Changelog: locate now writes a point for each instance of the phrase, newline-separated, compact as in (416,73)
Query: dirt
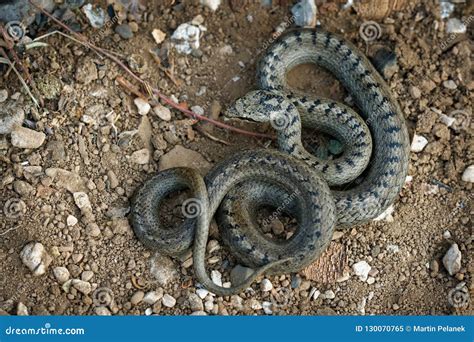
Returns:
(75,82)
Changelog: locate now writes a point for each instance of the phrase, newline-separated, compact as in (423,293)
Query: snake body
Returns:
(238,187)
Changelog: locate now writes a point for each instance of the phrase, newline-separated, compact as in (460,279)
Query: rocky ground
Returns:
(67,174)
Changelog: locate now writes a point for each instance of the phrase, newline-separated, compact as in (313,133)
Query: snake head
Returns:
(257,105)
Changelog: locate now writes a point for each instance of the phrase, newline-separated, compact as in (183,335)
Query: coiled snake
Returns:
(237,188)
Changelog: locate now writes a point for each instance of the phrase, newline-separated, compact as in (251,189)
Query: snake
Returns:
(348,190)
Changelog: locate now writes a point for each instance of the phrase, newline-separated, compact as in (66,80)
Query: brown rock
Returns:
(329,266)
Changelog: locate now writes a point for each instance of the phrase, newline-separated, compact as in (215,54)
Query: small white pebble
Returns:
(266,285)
(468,174)
(142,105)
(329,294)
(202,293)
(168,301)
(370,280)
(71,221)
(216,277)
(267,308)
(418,144)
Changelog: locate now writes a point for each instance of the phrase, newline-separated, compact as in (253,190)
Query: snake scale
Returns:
(236,189)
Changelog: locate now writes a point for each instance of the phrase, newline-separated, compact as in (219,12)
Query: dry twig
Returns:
(155,91)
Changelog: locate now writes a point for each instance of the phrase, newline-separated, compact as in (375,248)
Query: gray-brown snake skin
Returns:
(237,187)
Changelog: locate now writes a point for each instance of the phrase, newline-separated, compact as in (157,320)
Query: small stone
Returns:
(216,277)
(71,221)
(134,26)
(450,84)
(295,281)
(415,92)
(305,13)
(195,302)
(209,305)
(239,274)
(163,269)
(82,286)
(212,4)
(199,313)
(212,246)
(434,267)
(158,35)
(456,26)
(142,105)
(21,309)
(266,285)
(3,95)
(93,230)
(315,294)
(370,280)
(186,38)
(137,297)
(153,296)
(124,31)
(140,157)
(35,257)
(254,304)
(198,110)
(468,174)
(198,20)
(162,112)
(82,200)
(361,269)
(22,188)
(23,137)
(96,16)
(452,259)
(267,308)
(148,311)
(202,293)
(102,311)
(447,234)
(329,294)
(418,144)
(168,301)
(87,275)
(113,180)
(61,274)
